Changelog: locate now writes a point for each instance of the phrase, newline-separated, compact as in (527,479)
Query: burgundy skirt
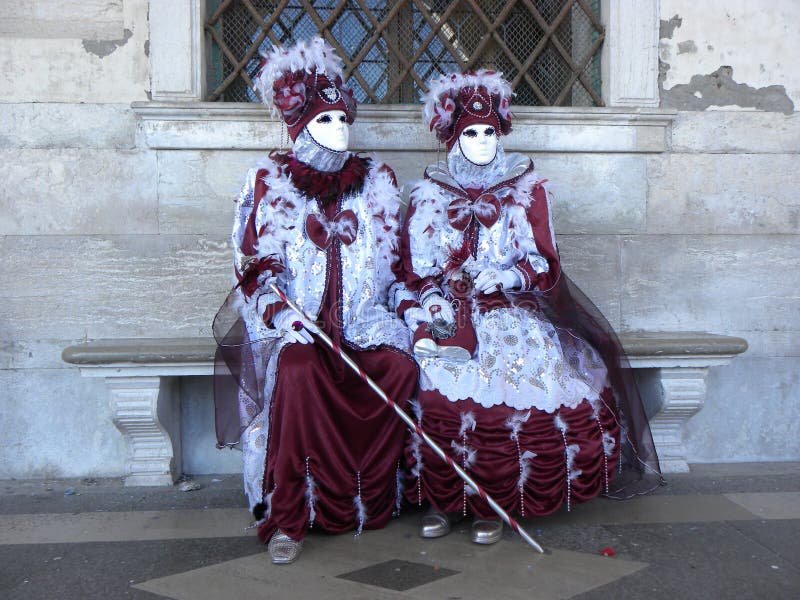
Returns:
(530,466)
(335,449)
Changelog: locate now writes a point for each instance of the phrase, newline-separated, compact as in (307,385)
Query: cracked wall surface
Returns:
(90,51)
(730,54)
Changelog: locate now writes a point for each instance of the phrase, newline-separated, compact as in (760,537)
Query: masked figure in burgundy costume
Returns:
(520,374)
(320,448)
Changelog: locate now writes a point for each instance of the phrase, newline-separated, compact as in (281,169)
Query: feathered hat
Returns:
(302,81)
(454,102)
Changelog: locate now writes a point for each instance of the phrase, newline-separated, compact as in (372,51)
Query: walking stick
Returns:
(407,420)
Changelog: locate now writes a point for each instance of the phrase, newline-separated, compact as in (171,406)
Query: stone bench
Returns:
(141,376)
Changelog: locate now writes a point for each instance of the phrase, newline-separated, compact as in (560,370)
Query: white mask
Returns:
(330,130)
(479,143)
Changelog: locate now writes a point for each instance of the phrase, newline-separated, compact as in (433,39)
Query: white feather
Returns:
(467,423)
(609,443)
(361,513)
(525,467)
(515,422)
(314,55)
(560,423)
(449,85)
(416,440)
(467,453)
(416,408)
(311,497)
(572,451)
(399,486)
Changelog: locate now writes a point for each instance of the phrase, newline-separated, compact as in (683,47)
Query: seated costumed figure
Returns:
(320,448)
(522,378)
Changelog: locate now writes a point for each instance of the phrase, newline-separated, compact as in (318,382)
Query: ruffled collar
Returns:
(327,186)
(505,170)
(307,150)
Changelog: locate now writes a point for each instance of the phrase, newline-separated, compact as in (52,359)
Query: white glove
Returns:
(493,280)
(286,322)
(437,308)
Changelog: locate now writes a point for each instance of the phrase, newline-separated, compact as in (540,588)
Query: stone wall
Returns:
(114,223)
(724,211)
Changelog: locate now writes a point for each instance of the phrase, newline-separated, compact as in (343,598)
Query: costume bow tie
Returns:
(486,209)
(322,232)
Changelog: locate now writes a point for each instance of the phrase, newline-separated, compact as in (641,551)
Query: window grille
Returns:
(548,49)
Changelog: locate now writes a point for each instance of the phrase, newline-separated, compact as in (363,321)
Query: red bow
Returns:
(486,209)
(322,232)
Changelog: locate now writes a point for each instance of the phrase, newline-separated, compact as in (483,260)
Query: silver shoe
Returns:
(283,549)
(486,532)
(434,524)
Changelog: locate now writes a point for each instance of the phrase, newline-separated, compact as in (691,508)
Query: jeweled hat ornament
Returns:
(303,81)
(454,102)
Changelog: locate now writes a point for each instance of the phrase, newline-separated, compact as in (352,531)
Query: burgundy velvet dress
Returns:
(545,413)
(322,450)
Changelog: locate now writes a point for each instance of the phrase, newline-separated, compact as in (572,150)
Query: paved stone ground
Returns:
(723,531)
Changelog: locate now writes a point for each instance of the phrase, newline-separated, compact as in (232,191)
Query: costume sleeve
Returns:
(418,244)
(540,270)
(254,270)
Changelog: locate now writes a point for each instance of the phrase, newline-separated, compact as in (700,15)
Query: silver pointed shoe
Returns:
(283,549)
(434,524)
(486,532)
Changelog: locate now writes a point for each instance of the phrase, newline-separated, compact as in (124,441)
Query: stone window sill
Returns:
(235,126)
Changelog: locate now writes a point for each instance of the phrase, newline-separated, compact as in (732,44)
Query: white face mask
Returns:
(479,143)
(330,130)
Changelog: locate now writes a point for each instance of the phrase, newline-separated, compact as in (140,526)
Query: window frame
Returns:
(177,117)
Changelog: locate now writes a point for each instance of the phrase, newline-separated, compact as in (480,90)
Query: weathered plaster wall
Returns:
(730,53)
(724,211)
(97,55)
(77,211)
(102,236)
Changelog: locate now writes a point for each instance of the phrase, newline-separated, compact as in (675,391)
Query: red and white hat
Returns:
(454,102)
(303,81)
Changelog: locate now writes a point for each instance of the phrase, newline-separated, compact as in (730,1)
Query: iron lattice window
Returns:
(548,49)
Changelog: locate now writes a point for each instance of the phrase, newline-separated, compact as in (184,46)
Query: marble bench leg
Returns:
(683,392)
(146,410)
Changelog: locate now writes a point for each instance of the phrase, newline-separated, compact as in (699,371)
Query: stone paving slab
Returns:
(700,560)
(780,536)
(782,505)
(478,572)
(718,532)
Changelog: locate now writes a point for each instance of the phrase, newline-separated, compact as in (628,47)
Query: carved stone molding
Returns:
(684,392)
(630,52)
(147,414)
(177,69)
(248,126)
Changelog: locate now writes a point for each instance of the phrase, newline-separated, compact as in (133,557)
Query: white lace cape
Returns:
(522,361)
